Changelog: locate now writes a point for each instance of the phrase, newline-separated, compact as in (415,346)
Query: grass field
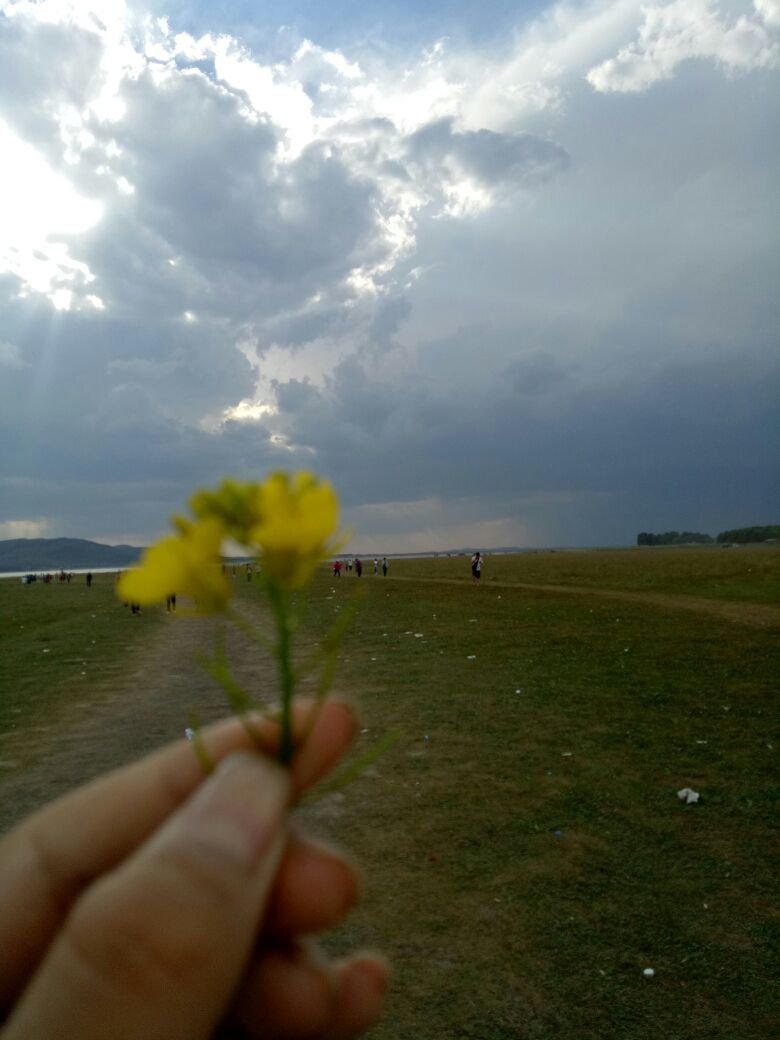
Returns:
(745,573)
(526,854)
(60,638)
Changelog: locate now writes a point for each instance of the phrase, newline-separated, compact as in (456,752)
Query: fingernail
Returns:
(239,810)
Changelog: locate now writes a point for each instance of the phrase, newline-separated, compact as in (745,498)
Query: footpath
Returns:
(112,724)
(759,615)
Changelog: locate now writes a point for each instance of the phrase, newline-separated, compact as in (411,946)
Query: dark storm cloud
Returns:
(517,159)
(213,224)
(42,67)
(590,352)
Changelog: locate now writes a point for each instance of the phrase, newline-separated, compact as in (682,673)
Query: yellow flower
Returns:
(298,517)
(234,503)
(187,564)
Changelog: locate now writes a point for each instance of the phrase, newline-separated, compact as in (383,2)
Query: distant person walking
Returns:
(170,603)
(376,565)
(337,569)
(384,566)
(89,579)
(476,566)
(359,566)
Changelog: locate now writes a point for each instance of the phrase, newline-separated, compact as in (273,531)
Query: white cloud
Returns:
(427,525)
(474,168)
(24,528)
(37,205)
(679,31)
(769,10)
(10,355)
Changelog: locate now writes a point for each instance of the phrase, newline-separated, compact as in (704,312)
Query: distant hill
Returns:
(53,554)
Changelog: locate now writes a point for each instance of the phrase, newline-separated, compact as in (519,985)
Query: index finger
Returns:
(59,850)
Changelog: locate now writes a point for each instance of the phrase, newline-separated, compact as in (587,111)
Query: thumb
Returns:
(157,948)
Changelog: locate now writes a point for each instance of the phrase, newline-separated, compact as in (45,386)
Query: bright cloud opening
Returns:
(36,206)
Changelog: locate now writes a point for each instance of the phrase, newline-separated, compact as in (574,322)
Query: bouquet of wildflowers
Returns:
(289,523)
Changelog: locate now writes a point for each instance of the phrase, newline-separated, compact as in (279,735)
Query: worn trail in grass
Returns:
(129,707)
(742,612)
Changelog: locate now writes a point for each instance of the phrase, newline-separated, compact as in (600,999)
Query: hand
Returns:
(157,903)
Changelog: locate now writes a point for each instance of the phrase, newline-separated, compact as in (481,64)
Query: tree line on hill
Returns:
(741,535)
(738,536)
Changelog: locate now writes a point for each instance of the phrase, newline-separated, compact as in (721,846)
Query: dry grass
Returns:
(531,858)
(749,573)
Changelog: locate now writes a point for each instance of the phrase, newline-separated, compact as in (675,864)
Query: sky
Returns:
(506,274)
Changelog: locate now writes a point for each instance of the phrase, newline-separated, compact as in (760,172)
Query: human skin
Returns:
(158,902)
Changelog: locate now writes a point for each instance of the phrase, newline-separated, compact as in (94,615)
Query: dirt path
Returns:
(163,684)
(116,723)
(758,615)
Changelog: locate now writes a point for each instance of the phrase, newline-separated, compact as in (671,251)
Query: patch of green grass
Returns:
(749,573)
(57,639)
(530,858)
(525,852)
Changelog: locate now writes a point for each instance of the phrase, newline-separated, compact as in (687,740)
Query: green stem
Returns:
(281,610)
(248,629)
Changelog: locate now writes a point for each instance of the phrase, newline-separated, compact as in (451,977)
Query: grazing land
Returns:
(526,854)
(59,643)
(749,574)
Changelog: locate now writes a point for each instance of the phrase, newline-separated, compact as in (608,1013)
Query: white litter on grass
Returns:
(648,973)
(518,691)
(418,635)
(46,651)
(688,795)
(566,754)
(701,741)
(471,657)
(472,621)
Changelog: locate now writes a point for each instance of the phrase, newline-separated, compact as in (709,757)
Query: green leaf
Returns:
(354,769)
